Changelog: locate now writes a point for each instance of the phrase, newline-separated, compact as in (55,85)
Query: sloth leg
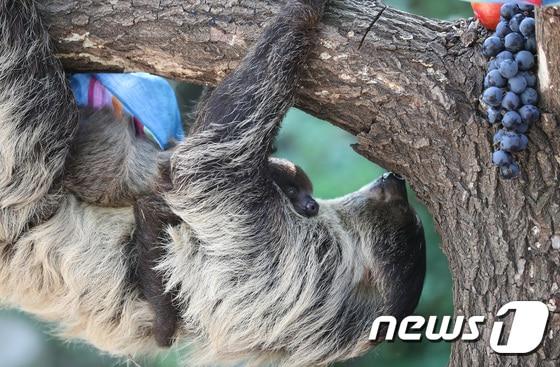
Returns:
(152,216)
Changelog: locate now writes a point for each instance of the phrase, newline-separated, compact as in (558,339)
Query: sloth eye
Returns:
(291,191)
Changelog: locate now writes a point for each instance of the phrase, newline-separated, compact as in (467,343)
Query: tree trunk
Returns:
(408,88)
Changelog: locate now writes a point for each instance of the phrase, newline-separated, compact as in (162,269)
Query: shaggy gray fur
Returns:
(108,165)
(255,281)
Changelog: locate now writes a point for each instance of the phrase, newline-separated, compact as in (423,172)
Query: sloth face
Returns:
(380,207)
(388,241)
(385,196)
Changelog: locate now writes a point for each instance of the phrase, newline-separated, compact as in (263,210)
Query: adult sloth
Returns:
(254,280)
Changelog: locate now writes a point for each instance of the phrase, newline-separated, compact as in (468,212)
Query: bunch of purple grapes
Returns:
(510,84)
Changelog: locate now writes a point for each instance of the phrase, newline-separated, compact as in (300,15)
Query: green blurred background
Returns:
(324,153)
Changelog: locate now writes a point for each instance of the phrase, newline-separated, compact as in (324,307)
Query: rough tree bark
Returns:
(408,88)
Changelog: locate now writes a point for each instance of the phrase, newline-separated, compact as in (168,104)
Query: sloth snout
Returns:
(312,207)
(393,176)
(389,187)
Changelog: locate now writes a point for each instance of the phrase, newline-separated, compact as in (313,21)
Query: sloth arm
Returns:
(38,119)
(220,176)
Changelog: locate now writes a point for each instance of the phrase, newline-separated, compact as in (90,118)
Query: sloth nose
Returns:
(389,187)
(392,176)
(312,207)
(394,185)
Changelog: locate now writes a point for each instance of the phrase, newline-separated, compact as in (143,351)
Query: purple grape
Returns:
(510,171)
(498,136)
(508,68)
(526,8)
(513,142)
(527,27)
(529,114)
(530,77)
(517,84)
(514,42)
(525,60)
(510,101)
(494,79)
(510,119)
(501,158)
(493,96)
(531,44)
(515,22)
(508,10)
(530,96)
(492,65)
(502,29)
(504,55)
(521,128)
(494,115)
(492,46)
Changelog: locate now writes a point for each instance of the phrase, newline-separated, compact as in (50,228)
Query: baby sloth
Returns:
(294,182)
(112,167)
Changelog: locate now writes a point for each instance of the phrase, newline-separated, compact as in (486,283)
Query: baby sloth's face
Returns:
(296,185)
(300,197)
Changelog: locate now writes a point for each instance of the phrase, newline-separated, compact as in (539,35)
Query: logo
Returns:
(524,336)
(527,329)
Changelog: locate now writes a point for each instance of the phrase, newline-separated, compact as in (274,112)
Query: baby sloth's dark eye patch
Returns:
(292,191)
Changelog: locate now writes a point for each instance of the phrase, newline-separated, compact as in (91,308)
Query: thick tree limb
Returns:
(410,94)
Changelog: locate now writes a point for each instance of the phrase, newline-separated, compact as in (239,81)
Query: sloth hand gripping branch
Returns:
(254,280)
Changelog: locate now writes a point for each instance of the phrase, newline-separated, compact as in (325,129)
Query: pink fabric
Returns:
(98,95)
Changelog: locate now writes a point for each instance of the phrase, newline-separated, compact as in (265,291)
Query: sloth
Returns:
(253,281)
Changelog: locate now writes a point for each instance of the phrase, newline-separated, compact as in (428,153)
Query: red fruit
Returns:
(487,13)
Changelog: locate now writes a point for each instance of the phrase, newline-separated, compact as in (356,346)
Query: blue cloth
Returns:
(148,98)
(80,87)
